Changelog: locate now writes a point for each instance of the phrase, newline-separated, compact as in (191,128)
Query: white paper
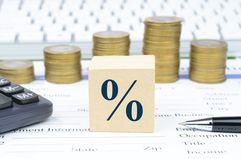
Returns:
(67,130)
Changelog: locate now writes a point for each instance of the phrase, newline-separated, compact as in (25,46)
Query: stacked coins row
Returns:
(208,61)
(162,39)
(111,43)
(18,71)
(62,64)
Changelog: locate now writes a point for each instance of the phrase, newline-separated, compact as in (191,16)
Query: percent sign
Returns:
(104,91)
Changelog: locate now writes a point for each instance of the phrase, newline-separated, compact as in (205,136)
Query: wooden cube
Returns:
(121,93)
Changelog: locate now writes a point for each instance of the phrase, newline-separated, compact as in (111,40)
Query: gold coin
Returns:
(61,49)
(111,35)
(18,71)
(207,78)
(15,64)
(163,19)
(62,63)
(162,39)
(208,61)
(207,43)
(111,43)
(166,79)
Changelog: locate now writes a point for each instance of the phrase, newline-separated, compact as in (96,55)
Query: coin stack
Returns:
(111,43)
(162,39)
(62,64)
(18,71)
(208,61)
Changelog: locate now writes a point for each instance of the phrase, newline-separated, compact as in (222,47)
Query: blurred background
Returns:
(27,26)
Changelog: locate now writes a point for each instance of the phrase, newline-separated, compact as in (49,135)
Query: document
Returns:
(67,130)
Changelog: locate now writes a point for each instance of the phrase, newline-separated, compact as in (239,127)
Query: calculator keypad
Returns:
(5,101)
(4,82)
(12,89)
(25,98)
(10,93)
(20,107)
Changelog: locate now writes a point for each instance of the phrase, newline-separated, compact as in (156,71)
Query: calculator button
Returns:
(25,98)
(4,82)
(5,101)
(10,90)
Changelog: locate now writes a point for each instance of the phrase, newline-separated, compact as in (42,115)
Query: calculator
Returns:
(20,107)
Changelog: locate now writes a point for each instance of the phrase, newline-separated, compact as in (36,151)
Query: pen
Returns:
(216,124)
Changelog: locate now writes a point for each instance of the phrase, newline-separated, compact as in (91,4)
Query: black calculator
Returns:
(20,107)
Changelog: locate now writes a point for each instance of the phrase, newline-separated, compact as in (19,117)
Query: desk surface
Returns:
(67,129)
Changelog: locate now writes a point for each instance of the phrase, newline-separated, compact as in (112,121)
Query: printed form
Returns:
(67,130)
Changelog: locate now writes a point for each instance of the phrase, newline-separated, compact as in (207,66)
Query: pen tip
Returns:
(183,123)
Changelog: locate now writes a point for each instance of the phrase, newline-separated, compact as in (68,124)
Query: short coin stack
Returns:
(111,43)
(162,39)
(62,64)
(18,71)
(208,61)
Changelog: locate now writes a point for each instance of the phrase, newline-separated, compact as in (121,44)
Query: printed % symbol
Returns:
(104,91)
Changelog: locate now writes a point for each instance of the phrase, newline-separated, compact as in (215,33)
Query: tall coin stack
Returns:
(18,71)
(62,64)
(208,61)
(162,39)
(111,43)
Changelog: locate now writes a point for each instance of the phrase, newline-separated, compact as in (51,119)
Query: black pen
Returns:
(216,124)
